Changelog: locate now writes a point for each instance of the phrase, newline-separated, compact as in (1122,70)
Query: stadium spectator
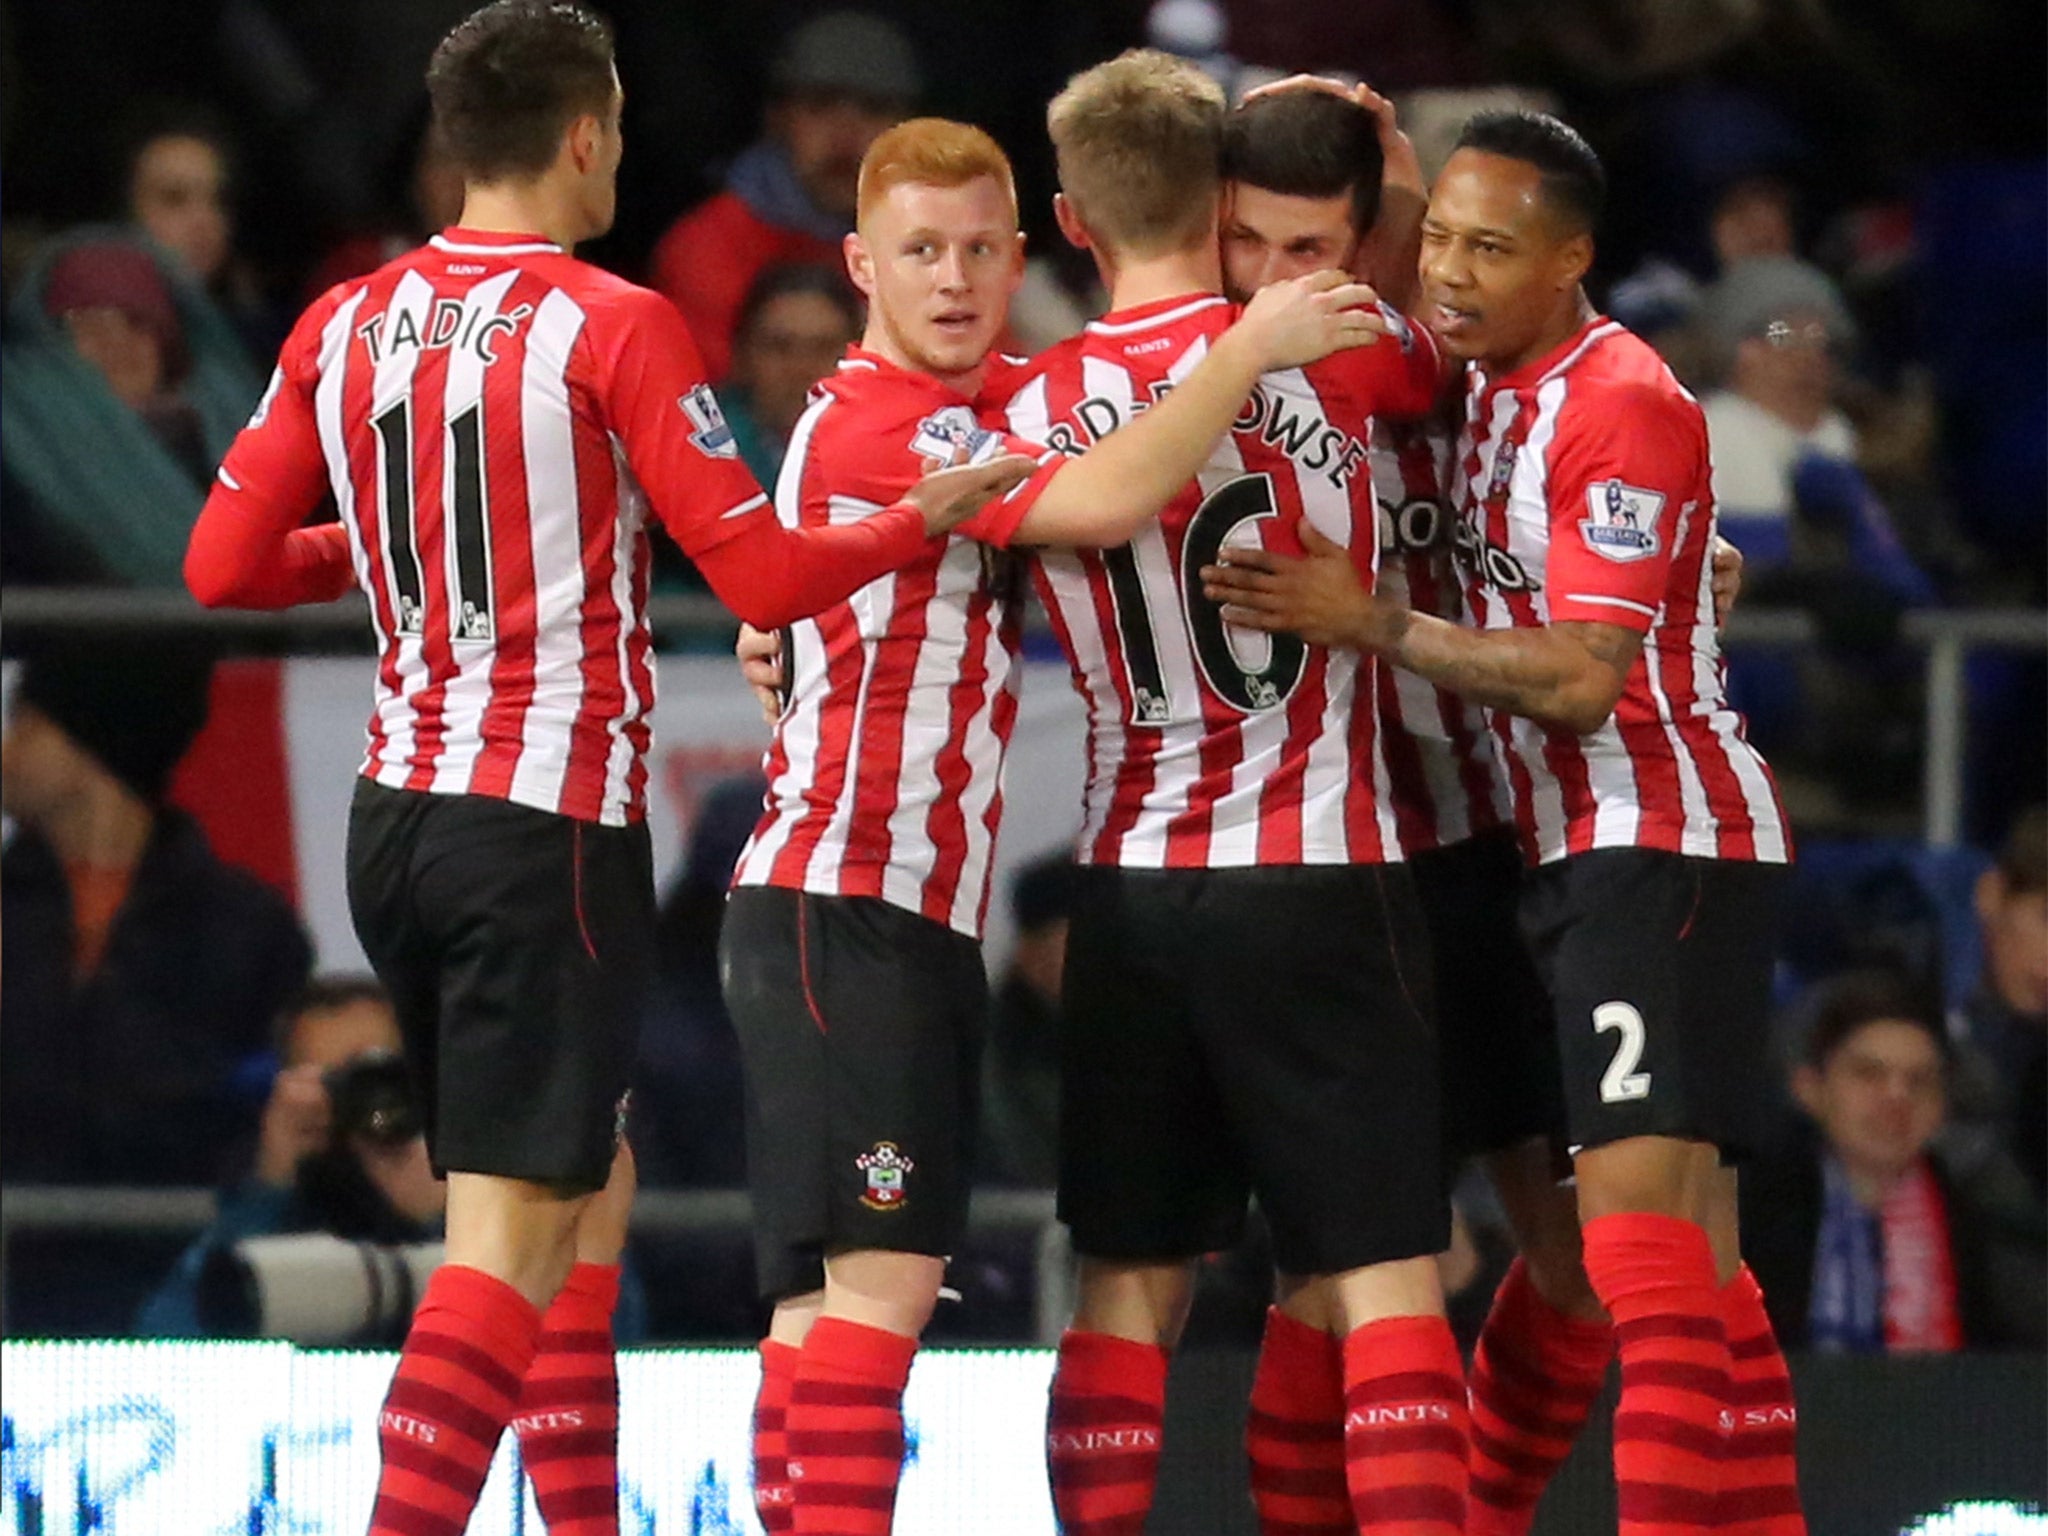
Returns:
(796,320)
(842,80)
(338,1149)
(2000,1100)
(1020,1081)
(1865,1237)
(1840,719)
(141,972)
(431,201)
(124,385)
(1781,445)
(177,183)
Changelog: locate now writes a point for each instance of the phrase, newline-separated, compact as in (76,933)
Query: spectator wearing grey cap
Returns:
(1838,718)
(1781,445)
(842,80)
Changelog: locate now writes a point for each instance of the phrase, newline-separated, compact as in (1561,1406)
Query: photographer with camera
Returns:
(330,1238)
(339,1159)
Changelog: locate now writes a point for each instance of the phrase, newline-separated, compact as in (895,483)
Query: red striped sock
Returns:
(1760,1483)
(1294,1435)
(845,1428)
(774,1501)
(1656,1276)
(568,1414)
(1103,1433)
(470,1344)
(1407,1431)
(1535,1375)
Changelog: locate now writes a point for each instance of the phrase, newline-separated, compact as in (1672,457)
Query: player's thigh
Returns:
(1627,940)
(383,834)
(544,930)
(1497,1043)
(782,1051)
(1313,992)
(860,1027)
(1150,1169)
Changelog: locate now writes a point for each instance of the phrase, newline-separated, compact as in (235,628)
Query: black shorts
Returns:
(860,1028)
(1238,1032)
(1502,1083)
(1659,971)
(518,947)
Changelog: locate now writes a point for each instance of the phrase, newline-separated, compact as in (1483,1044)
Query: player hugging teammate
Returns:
(1335,642)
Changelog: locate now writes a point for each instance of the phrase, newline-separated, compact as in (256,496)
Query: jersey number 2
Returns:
(1621,1081)
(469,582)
(1246,499)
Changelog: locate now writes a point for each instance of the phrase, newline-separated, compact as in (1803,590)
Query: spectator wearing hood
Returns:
(124,387)
(844,79)
(142,973)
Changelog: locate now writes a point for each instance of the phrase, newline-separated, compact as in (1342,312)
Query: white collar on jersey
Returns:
(1147,322)
(525,248)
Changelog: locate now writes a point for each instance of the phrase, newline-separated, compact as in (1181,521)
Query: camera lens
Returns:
(372,1098)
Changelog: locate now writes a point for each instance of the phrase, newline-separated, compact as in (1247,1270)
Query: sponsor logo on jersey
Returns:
(1489,562)
(953,435)
(887,1169)
(712,436)
(1622,520)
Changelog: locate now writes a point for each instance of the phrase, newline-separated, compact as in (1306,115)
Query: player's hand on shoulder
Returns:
(948,497)
(760,657)
(1303,319)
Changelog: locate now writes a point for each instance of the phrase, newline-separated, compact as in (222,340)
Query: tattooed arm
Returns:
(1566,674)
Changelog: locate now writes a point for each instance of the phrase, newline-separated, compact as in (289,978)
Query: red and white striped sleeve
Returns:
(683,455)
(1628,465)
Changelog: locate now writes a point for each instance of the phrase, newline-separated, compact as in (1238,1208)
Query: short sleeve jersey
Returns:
(885,773)
(1584,494)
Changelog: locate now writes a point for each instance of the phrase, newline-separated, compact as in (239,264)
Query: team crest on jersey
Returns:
(948,432)
(1622,524)
(886,1169)
(713,436)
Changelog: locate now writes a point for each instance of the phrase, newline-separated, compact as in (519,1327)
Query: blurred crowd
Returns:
(1828,215)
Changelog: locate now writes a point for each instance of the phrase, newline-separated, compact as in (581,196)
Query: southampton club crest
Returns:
(1622,524)
(886,1169)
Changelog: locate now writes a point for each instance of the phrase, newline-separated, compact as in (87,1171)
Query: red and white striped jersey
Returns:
(1443,774)
(1584,494)
(1210,747)
(885,774)
(488,409)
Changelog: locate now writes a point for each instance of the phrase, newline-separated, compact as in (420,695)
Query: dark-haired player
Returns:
(497,422)
(1581,484)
